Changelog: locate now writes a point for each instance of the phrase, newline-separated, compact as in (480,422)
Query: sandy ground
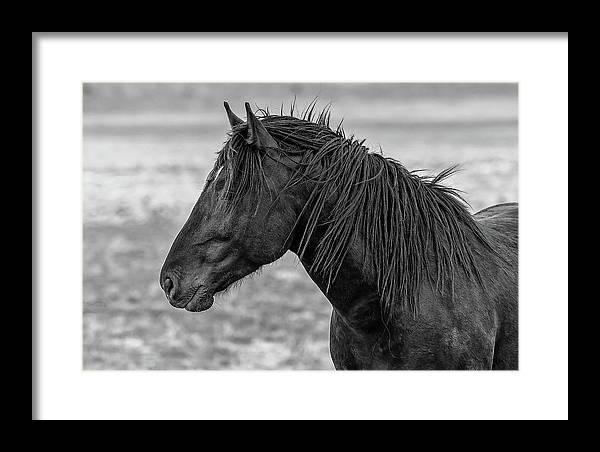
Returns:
(147,150)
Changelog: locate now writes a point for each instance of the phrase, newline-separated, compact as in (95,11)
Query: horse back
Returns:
(502,221)
(501,216)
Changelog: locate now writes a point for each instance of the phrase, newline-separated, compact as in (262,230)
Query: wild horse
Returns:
(415,280)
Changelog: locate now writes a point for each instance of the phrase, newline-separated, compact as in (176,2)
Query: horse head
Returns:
(240,222)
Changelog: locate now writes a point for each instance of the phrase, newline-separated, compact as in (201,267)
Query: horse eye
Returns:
(219,184)
(212,240)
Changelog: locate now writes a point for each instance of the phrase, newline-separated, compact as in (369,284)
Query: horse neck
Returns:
(354,289)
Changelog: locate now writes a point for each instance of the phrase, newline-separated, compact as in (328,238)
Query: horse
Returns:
(415,280)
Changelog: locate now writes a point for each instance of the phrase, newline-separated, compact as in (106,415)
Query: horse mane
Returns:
(403,217)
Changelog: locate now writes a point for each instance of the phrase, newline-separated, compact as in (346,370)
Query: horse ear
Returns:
(257,134)
(233,119)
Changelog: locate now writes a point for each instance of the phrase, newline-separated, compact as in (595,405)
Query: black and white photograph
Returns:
(300,238)
(320,226)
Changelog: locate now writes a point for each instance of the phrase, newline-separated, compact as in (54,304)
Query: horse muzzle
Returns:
(202,300)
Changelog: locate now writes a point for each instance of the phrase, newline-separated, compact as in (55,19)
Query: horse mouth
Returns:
(202,297)
(202,300)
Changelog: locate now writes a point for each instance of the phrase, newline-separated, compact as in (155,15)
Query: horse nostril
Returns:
(168,286)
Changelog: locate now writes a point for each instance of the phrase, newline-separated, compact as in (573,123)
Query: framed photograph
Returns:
(300,238)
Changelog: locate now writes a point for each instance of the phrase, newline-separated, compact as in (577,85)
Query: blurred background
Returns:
(147,150)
